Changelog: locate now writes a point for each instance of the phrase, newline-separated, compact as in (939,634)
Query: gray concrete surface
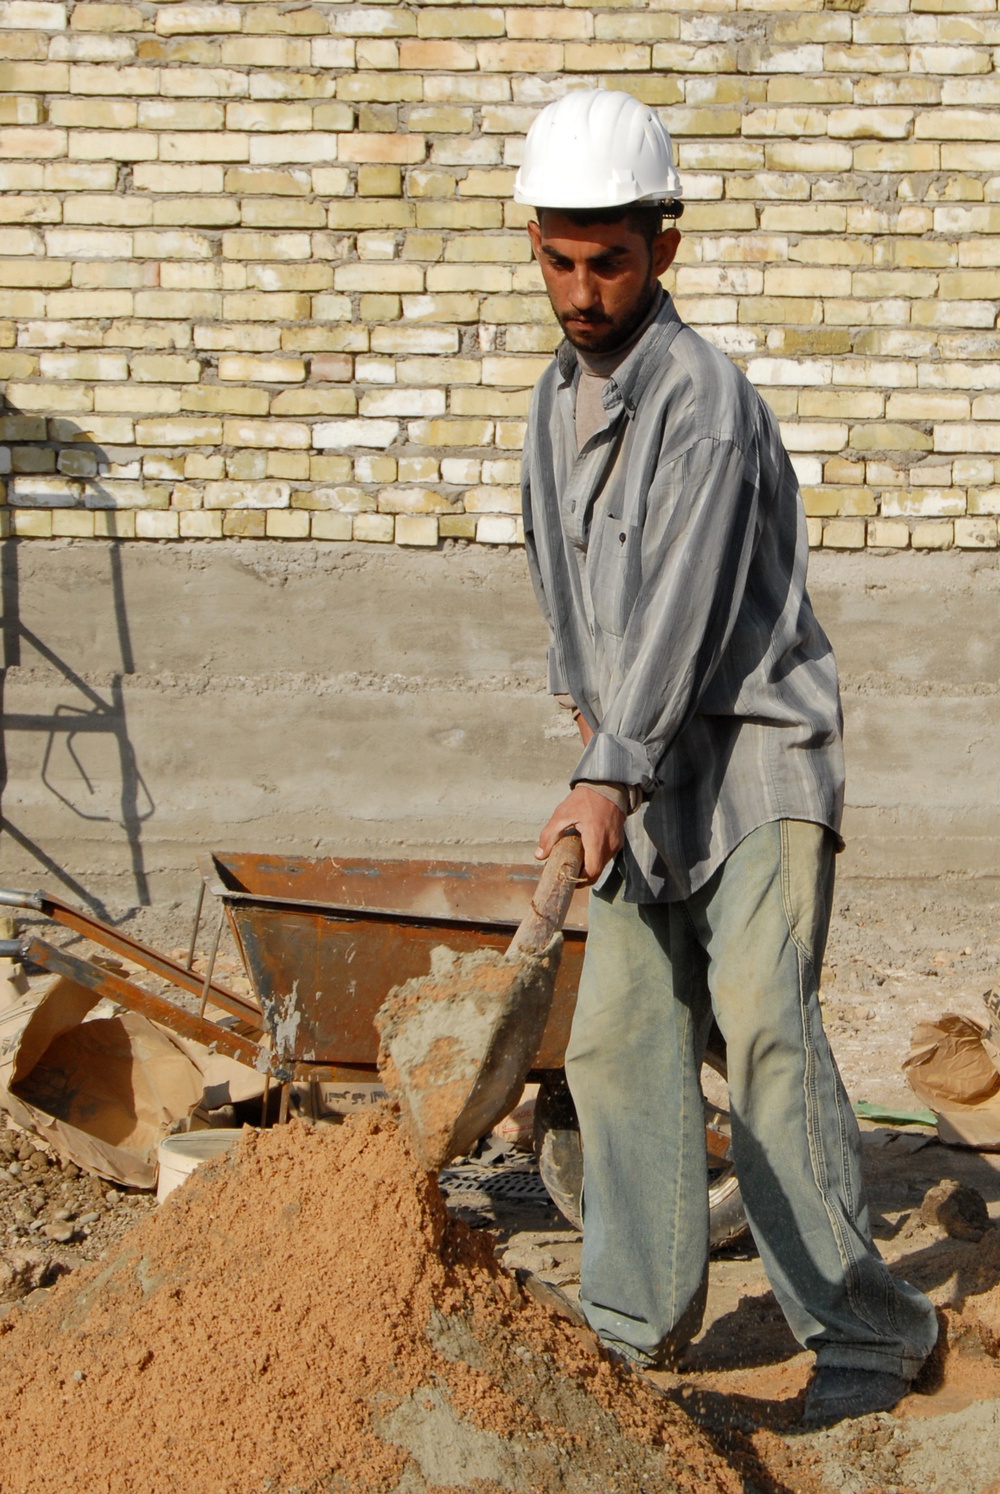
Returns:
(160,699)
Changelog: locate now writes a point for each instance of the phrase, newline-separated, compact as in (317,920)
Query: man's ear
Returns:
(535,235)
(665,247)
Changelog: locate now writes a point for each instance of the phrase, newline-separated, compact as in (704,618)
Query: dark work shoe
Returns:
(840,1394)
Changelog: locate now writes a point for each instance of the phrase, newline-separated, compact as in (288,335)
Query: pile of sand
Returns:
(305,1317)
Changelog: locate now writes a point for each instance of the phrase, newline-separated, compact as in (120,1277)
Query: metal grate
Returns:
(522,1184)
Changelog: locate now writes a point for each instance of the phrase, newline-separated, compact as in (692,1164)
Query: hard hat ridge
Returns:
(597,148)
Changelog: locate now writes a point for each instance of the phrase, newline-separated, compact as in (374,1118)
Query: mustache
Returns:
(586,318)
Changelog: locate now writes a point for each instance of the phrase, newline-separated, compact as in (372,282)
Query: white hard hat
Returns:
(597,149)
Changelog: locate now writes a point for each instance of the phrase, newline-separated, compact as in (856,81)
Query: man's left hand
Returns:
(601,825)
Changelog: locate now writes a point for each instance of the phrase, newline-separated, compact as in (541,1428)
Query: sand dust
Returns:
(306,1317)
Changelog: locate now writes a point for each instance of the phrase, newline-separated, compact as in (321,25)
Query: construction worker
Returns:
(667,545)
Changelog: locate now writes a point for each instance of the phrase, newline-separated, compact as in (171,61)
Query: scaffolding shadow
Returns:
(69,726)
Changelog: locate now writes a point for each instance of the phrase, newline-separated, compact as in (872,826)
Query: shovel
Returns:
(457,1044)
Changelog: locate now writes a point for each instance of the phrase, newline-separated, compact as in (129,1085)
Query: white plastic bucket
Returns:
(178,1156)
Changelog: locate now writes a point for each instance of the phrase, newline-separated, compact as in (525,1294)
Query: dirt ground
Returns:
(898,953)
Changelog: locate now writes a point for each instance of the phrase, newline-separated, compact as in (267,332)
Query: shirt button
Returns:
(622,538)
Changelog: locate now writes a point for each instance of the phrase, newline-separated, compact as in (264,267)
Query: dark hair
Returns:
(645,218)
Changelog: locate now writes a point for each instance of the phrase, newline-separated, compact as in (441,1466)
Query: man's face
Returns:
(600,278)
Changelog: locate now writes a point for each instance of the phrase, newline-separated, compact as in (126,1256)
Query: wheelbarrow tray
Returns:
(323,941)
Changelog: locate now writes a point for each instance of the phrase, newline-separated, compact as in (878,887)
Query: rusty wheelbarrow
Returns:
(323,941)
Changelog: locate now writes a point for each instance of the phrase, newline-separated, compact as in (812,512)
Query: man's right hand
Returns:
(601,825)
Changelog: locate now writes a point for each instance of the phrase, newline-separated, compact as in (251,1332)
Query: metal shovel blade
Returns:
(457,1044)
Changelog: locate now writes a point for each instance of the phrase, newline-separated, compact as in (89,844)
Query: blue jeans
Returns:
(747,946)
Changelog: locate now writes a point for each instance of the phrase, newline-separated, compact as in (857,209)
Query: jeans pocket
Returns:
(806,873)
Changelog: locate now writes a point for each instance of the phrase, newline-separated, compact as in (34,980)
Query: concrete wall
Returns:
(161,700)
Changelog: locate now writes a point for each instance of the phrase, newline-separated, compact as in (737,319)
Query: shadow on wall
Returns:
(86,760)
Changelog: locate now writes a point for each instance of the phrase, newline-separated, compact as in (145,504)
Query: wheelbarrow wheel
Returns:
(560,1153)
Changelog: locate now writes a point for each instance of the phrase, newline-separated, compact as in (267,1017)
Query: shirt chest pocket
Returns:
(613,572)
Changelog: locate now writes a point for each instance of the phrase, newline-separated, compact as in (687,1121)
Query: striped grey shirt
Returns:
(669,558)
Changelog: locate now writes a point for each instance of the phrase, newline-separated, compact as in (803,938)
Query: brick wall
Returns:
(261,273)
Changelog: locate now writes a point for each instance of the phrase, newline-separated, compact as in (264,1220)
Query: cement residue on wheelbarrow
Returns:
(306,1316)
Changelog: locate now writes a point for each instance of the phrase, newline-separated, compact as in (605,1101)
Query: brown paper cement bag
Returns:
(954,1066)
(103,1091)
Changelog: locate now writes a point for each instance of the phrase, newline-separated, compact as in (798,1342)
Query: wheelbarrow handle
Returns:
(552,896)
(12,899)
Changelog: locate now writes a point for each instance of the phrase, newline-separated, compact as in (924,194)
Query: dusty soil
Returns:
(306,1317)
(897,954)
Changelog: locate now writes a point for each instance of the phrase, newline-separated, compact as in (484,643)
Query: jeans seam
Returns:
(786,892)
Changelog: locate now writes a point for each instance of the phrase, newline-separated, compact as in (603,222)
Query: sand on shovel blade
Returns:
(305,1318)
(457,1044)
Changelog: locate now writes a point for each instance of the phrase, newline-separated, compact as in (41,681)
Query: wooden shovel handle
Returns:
(552,896)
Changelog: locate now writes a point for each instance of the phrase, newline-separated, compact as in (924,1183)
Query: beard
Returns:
(599,333)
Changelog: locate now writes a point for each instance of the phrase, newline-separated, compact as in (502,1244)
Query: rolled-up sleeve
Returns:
(696,542)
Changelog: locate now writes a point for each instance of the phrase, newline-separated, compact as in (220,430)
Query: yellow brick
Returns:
(201,525)
(172,20)
(243,524)
(20,111)
(827,502)
(404,500)
(492,499)
(979,533)
(267,433)
(304,21)
(451,432)
(400,149)
(441,308)
(928,406)
(909,157)
(49,397)
(378,56)
(422,529)
(203,82)
(487,184)
(269,51)
(379,181)
(439,120)
(844,534)
(932,536)
(437,56)
(482,249)
(376,529)
(788,122)
(519,57)
(262,370)
(374,469)
(419,470)
(116,18)
(157,526)
(795,280)
(86,366)
(959,285)
(957,124)
(253,306)
(34,77)
(497,529)
(28,524)
(811,217)
(287,525)
(313,402)
(461,215)
(331,526)
(587,57)
(34,272)
(888,534)
(438,372)
(32,144)
(558,25)
(479,20)
(429,183)
(841,404)
(112,114)
(219,399)
(484,278)
(112,525)
(882,124)
(167,114)
(178,432)
(457,526)
(78,524)
(133,80)
(293,465)
(179,180)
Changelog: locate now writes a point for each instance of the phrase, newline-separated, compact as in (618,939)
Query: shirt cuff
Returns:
(624,796)
(611,759)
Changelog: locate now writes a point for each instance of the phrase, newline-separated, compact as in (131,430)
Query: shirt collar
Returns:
(626,384)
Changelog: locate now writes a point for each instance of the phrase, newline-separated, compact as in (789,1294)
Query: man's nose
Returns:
(583,290)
